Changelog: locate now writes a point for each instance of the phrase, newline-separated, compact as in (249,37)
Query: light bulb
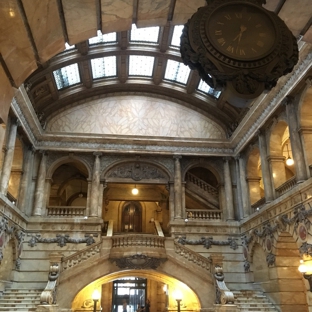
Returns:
(289,161)
(135,191)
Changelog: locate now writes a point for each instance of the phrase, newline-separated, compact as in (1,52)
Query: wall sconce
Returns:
(306,272)
(135,191)
(95,298)
(289,160)
(178,297)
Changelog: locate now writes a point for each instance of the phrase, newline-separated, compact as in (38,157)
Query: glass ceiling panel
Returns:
(68,47)
(67,76)
(148,34)
(176,37)
(104,67)
(100,38)
(208,90)
(177,71)
(141,65)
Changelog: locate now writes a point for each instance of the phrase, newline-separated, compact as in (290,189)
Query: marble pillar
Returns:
(244,187)
(170,189)
(95,188)
(222,200)
(103,185)
(177,188)
(40,187)
(265,169)
(229,212)
(2,137)
(184,214)
(295,139)
(23,199)
(8,159)
(239,190)
(88,204)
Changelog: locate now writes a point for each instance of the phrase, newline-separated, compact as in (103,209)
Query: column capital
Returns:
(97,154)
(177,157)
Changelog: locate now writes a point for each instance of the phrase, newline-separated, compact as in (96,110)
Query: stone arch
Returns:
(254,175)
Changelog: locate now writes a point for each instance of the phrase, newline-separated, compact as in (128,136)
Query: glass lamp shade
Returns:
(289,161)
(177,294)
(135,191)
(95,295)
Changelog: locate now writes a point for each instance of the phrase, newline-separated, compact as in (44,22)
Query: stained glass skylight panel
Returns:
(104,67)
(141,65)
(100,38)
(207,89)
(176,36)
(177,71)
(67,76)
(148,34)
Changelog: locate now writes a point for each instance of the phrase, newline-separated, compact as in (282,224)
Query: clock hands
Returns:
(243,28)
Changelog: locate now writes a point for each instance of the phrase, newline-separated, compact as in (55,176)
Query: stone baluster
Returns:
(266,174)
(229,212)
(95,187)
(177,188)
(8,158)
(295,139)
(39,204)
(24,194)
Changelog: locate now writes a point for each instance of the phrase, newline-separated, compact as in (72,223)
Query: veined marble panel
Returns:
(135,115)
(81,21)
(184,9)
(152,12)
(44,21)
(116,15)
(6,94)
(15,46)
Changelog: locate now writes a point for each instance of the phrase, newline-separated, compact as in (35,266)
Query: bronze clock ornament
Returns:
(238,45)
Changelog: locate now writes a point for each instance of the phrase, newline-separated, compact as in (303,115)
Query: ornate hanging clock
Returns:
(238,45)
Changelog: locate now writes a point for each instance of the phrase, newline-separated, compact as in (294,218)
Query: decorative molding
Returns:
(48,296)
(306,249)
(246,266)
(223,294)
(61,240)
(207,242)
(138,262)
(270,259)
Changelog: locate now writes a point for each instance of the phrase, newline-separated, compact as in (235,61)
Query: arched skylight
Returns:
(148,34)
(176,37)
(100,38)
(177,71)
(141,65)
(202,86)
(67,76)
(104,67)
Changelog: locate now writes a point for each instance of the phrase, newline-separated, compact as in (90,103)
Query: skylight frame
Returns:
(103,38)
(67,76)
(176,36)
(177,72)
(104,67)
(205,88)
(143,65)
(146,33)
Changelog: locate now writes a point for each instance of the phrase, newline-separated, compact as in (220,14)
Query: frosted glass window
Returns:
(104,67)
(205,88)
(67,76)
(141,65)
(177,32)
(148,34)
(177,71)
(100,38)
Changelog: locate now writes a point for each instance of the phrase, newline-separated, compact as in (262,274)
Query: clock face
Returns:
(241,31)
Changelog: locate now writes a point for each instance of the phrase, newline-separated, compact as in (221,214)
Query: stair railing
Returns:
(223,294)
(202,185)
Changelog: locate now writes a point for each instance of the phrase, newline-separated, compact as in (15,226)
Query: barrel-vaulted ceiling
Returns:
(66,51)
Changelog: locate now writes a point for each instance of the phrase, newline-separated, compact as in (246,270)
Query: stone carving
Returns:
(61,240)
(48,296)
(136,171)
(223,294)
(18,263)
(207,242)
(138,262)
(306,248)
(246,266)
(268,230)
(270,259)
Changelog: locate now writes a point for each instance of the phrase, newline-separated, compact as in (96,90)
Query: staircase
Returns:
(21,300)
(250,300)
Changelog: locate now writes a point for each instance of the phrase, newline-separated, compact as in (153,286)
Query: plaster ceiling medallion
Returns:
(238,46)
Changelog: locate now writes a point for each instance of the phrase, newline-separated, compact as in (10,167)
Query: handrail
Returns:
(202,184)
(158,228)
(200,214)
(192,256)
(129,240)
(258,203)
(66,211)
(286,186)
(80,256)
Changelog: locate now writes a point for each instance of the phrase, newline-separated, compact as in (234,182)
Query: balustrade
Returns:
(66,211)
(285,187)
(202,185)
(258,203)
(121,241)
(204,214)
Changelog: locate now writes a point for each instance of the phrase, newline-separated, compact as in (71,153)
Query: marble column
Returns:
(8,159)
(40,187)
(170,189)
(295,139)
(239,190)
(23,199)
(177,188)
(88,204)
(222,200)
(184,214)
(244,186)
(95,188)
(265,169)
(103,185)
(2,136)
(229,215)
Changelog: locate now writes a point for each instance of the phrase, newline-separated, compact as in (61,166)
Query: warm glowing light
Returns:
(95,295)
(177,294)
(165,287)
(135,191)
(302,267)
(289,161)
(11,12)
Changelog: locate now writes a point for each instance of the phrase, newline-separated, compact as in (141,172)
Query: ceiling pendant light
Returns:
(135,191)
(289,160)
(80,195)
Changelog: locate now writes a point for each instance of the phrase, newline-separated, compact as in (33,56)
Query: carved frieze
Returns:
(207,242)
(61,240)
(138,262)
